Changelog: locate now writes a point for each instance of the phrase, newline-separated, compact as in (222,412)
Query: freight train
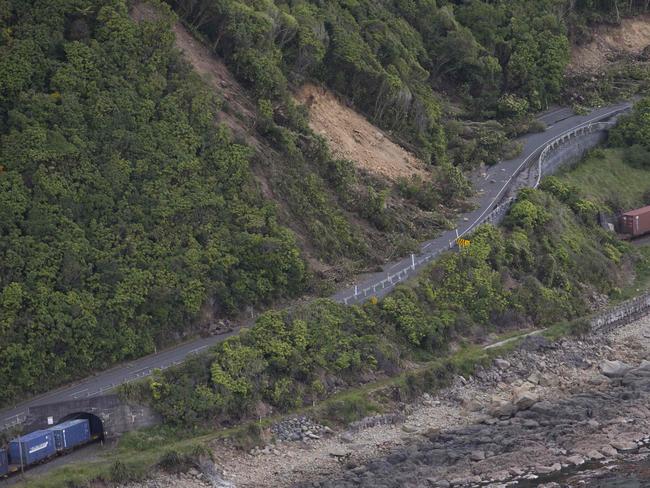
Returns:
(635,223)
(39,446)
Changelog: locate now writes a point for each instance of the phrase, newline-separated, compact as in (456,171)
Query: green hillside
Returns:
(130,219)
(123,209)
(607,178)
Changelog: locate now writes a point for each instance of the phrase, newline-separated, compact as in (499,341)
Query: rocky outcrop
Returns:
(545,407)
(614,369)
(561,406)
(299,429)
(541,439)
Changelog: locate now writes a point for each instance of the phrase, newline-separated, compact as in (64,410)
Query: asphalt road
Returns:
(490,188)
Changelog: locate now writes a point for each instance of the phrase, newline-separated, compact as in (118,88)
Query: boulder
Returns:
(502,409)
(608,451)
(471,405)
(347,437)
(477,456)
(593,454)
(644,366)
(501,363)
(624,445)
(548,469)
(534,379)
(339,453)
(576,460)
(614,369)
(523,398)
(543,408)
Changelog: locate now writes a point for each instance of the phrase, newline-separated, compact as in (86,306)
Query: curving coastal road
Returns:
(490,187)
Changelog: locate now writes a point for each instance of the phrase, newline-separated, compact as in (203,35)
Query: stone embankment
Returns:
(546,407)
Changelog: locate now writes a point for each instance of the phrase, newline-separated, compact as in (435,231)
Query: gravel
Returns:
(577,415)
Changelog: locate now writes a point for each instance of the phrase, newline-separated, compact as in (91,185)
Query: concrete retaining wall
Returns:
(570,151)
(117,415)
(622,314)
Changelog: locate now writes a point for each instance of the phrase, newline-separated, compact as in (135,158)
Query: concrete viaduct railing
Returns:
(567,148)
(555,154)
(571,147)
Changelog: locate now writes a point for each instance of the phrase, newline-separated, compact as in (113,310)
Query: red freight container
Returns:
(636,222)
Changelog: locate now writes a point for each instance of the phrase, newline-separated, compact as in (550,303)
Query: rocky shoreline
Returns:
(544,409)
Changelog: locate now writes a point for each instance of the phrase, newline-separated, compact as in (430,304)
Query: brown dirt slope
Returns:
(238,110)
(352,137)
(632,36)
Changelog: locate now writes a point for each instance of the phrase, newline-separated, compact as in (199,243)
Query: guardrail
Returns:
(564,140)
(13,421)
(494,216)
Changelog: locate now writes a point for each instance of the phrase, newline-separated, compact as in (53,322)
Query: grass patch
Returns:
(641,281)
(605,177)
(576,328)
(139,452)
(133,459)
(348,407)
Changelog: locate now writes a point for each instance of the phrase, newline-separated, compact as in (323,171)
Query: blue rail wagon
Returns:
(4,462)
(70,434)
(32,448)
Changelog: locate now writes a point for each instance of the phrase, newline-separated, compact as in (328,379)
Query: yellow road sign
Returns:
(462,242)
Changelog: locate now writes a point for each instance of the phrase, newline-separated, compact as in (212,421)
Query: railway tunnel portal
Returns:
(109,415)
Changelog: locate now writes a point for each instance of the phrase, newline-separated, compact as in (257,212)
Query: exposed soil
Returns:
(238,111)
(632,36)
(352,137)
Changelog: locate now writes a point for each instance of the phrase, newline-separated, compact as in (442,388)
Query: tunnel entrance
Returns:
(95,423)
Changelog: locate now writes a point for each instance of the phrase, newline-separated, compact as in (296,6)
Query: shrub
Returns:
(637,156)
(349,408)
(121,472)
(174,462)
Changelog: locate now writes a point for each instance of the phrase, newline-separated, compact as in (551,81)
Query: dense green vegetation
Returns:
(540,268)
(633,132)
(394,58)
(124,211)
(128,216)
(138,455)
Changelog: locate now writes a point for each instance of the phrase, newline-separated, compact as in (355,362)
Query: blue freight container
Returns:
(71,434)
(34,447)
(4,462)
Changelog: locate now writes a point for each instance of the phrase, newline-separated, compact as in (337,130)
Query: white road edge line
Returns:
(602,116)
